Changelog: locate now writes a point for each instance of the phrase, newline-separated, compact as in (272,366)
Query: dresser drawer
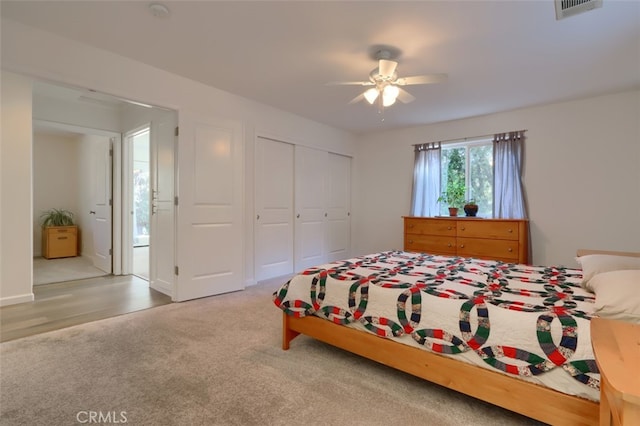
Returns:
(430,227)
(488,249)
(430,244)
(61,231)
(492,239)
(59,242)
(488,229)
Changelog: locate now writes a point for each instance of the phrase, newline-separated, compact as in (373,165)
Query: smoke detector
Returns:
(566,8)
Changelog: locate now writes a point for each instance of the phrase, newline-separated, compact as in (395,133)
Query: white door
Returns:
(100,212)
(209,216)
(338,207)
(162,169)
(274,208)
(310,212)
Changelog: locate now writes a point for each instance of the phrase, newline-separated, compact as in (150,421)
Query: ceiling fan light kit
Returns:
(371,95)
(389,95)
(385,82)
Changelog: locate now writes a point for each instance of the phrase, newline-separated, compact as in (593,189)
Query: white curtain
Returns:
(426,180)
(508,191)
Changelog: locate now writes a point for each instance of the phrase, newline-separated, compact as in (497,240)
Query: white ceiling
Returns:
(499,55)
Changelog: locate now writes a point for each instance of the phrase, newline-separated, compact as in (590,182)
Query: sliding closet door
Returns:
(311,214)
(274,208)
(338,207)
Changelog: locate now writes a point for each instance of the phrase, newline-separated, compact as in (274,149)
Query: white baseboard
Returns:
(14,300)
(162,289)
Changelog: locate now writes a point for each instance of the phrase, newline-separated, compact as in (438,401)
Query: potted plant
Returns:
(59,234)
(454,197)
(56,217)
(471,208)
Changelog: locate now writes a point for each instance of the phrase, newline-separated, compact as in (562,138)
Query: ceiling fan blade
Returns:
(349,83)
(386,68)
(356,99)
(421,79)
(405,97)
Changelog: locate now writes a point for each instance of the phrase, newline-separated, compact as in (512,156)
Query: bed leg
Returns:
(287,334)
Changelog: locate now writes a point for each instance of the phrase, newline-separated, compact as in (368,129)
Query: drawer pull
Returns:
(462,229)
(461,245)
(448,228)
(510,231)
(410,241)
(411,225)
(62,238)
(510,249)
(449,245)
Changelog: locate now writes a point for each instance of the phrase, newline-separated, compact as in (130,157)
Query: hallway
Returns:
(71,303)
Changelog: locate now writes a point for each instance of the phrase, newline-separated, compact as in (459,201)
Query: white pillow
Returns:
(617,295)
(594,264)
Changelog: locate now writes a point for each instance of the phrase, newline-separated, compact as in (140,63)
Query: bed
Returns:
(513,335)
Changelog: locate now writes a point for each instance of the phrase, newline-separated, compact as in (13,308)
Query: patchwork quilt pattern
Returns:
(518,319)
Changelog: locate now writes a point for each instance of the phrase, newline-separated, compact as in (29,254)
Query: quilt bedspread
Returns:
(527,321)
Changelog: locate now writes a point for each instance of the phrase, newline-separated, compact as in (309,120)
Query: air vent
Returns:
(566,8)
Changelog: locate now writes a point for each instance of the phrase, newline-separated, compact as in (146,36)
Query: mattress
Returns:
(528,322)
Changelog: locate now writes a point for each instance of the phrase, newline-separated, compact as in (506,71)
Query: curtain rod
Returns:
(468,138)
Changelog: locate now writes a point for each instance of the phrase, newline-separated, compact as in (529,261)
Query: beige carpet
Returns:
(215,361)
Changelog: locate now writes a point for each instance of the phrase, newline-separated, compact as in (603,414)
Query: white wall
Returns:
(582,175)
(16,260)
(55,178)
(36,53)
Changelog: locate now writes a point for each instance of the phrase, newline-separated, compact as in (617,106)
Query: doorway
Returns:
(72,171)
(130,176)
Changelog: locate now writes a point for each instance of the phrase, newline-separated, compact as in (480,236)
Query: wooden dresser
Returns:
(495,239)
(59,241)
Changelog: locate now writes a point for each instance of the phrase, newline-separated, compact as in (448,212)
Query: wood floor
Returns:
(76,302)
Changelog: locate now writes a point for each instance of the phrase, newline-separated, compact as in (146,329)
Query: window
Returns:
(468,165)
(488,171)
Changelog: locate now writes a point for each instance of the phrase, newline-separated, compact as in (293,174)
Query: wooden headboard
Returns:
(584,252)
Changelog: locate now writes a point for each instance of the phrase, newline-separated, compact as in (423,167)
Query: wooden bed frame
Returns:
(529,399)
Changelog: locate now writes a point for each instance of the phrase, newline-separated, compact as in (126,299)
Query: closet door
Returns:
(338,204)
(274,175)
(310,195)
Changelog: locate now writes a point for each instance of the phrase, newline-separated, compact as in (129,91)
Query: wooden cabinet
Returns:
(615,345)
(59,241)
(496,239)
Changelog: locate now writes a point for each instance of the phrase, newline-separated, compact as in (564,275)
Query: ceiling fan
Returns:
(386,83)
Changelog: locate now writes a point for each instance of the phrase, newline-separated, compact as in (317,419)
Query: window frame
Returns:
(467,144)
